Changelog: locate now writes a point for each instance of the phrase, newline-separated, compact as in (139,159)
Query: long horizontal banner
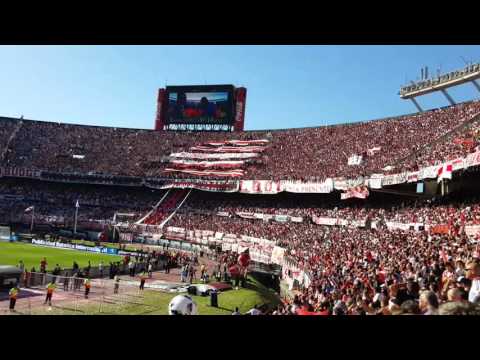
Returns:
(267,217)
(231,173)
(188,164)
(238,142)
(311,187)
(260,187)
(96,249)
(228,149)
(322,220)
(199,156)
(206,186)
(19,172)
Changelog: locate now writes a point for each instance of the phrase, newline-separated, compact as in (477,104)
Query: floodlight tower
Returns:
(441,83)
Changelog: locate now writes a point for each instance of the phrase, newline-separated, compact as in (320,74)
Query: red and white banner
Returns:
(457,164)
(260,187)
(228,149)
(360,192)
(199,156)
(232,173)
(188,164)
(444,172)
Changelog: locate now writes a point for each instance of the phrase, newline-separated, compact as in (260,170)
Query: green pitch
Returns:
(153,302)
(31,255)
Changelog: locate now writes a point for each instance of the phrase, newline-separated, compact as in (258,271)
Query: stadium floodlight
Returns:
(441,83)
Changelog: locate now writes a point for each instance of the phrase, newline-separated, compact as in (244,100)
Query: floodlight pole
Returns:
(474,82)
(33,217)
(76,216)
(416,104)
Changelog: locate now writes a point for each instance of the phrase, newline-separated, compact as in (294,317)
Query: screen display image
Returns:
(189,106)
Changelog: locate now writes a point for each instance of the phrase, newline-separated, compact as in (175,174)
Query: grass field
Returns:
(31,255)
(154,302)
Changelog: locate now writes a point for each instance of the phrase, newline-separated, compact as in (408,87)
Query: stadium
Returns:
(373,217)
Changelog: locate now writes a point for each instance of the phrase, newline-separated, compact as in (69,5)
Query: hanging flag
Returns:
(444,172)
(77,205)
(29,209)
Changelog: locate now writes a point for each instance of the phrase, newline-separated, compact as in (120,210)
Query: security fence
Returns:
(70,296)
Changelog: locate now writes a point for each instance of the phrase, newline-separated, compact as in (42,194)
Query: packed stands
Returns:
(300,154)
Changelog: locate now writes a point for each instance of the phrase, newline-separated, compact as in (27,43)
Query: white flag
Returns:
(77,205)
(29,209)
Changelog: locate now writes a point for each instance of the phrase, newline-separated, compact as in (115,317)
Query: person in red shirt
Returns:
(143,278)
(43,265)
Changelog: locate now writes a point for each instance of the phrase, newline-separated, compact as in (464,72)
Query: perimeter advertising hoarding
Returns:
(200,104)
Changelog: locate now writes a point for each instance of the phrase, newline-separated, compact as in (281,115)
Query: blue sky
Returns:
(288,86)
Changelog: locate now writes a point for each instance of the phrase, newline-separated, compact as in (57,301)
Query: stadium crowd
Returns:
(58,201)
(300,154)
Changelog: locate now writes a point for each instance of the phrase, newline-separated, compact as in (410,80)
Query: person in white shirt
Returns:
(428,303)
(254,311)
(473,273)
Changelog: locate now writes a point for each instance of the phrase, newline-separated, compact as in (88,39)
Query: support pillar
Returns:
(447,95)
(475,83)
(416,104)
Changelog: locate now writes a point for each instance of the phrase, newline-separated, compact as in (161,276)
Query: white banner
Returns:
(260,187)
(355,160)
(375,181)
(394,179)
(277,255)
(308,187)
(472,159)
(320,220)
(472,231)
(428,172)
(412,176)
(340,184)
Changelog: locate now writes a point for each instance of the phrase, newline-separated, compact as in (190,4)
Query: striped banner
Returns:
(232,173)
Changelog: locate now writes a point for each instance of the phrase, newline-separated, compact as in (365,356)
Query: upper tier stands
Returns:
(300,154)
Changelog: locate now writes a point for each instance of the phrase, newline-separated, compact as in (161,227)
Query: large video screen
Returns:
(209,104)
